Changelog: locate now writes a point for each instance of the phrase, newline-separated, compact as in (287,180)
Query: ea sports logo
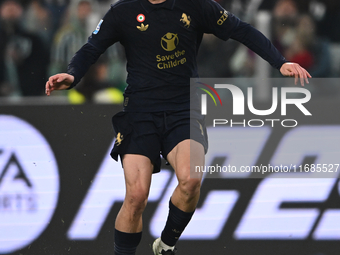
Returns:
(169,41)
(29,183)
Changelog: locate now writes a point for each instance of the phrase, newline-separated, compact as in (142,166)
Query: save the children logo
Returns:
(29,183)
(169,41)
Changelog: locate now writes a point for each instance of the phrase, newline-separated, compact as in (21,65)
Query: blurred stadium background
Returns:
(39,37)
(60,191)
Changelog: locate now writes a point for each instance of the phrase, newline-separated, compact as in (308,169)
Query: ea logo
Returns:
(29,183)
(169,41)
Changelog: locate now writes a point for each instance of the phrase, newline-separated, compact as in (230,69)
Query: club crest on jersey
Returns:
(119,139)
(98,27)
(201,128)
(186,20)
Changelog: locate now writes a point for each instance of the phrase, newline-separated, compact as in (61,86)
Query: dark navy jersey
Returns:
(161,42)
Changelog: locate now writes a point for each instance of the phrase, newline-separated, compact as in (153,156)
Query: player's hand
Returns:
(295,70)
(58,82)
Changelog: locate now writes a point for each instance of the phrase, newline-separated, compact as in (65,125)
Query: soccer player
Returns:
(161,40)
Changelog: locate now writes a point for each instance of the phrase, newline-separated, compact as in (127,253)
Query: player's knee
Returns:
(189,187)
(136,200)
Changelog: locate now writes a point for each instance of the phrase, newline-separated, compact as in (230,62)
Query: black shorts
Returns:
(153,134)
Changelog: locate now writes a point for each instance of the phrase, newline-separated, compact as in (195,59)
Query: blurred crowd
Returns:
(39,37)
(304,31)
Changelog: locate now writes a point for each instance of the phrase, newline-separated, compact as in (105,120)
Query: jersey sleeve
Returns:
(258,43)
(225,25)
(216,20)
(106,33)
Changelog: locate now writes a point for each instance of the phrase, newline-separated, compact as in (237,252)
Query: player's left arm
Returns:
(225,25)
(295,70)
(261,45)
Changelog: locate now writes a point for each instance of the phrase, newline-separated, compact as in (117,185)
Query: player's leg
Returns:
(184,156)
(128,228)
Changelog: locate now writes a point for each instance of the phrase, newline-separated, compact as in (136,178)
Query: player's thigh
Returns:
(137,134)
(137,171)
(184,157)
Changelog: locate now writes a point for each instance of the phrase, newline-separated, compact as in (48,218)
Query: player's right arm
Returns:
(58,82)
(106,33)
